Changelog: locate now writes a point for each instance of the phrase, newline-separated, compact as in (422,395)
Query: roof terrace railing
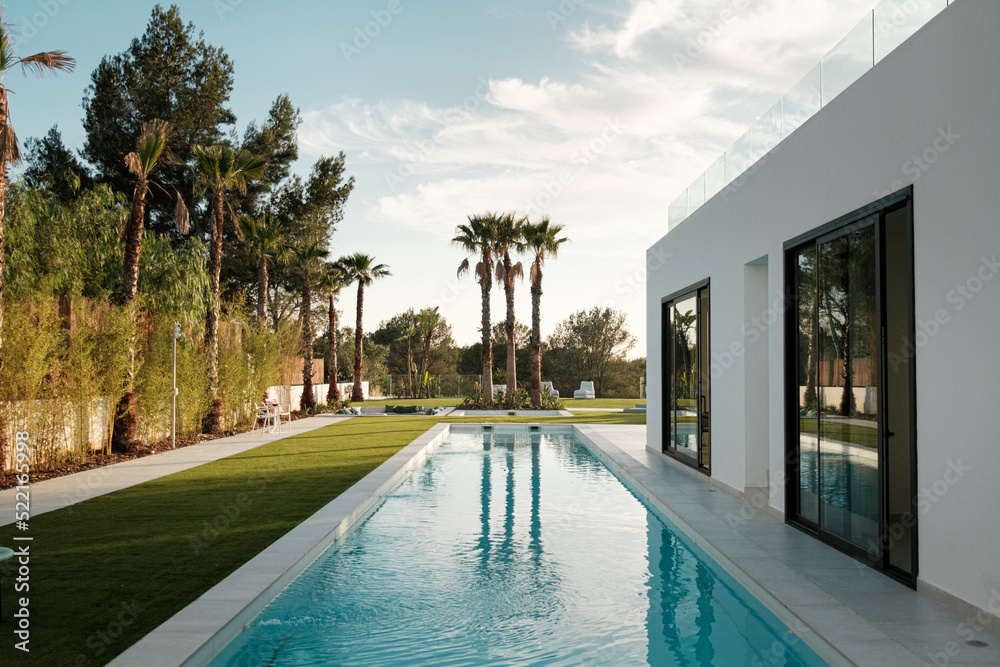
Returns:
(884,28)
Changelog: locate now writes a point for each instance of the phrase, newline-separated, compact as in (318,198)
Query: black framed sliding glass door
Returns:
(851,446)
(687,377)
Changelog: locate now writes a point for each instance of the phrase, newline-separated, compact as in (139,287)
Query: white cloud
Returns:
(662,92)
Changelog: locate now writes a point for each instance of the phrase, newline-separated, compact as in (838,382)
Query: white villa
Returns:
(824,311)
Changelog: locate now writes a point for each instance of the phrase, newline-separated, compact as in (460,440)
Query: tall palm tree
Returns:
(509,236)
(428,322)
(363,269)
(267,244)
(408,334)
(541,240)
(478,237)
(308,258)
(331,282)
(220,169)
(151,150)
(10,153)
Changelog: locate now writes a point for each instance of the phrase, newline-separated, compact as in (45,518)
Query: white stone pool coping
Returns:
(511,413)
(880,623)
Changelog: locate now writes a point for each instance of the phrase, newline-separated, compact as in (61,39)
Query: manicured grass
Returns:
(601,402)
(609,418)
(865,436)
(159,545)
(109,570)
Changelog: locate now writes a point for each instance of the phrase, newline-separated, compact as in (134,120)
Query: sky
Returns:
(597,113)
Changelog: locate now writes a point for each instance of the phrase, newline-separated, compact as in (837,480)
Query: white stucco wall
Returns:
(291,395)
(937,95)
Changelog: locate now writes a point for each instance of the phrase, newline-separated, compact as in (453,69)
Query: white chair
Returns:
(277,413)
(586,390)
(551,388)
(262,417)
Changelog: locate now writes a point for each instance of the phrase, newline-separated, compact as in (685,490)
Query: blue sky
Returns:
(595,112)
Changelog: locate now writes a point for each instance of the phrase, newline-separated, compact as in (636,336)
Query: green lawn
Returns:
(602,402)
(108,570)
(865,436)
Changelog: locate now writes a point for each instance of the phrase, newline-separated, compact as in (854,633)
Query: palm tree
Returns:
(408,334)
(267,244)
(219,170)
(332,281)
(478,237)
(509,236)
(308,257)
(428,321)
(151,150)
(10,153)
(361,268)
(541,240)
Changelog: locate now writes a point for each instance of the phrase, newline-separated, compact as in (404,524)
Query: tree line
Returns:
(168,212)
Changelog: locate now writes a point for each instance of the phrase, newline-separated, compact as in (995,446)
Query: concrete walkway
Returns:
(53,494)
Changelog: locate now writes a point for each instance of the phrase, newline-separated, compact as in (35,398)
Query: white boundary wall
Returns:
(291,395)
(927,115)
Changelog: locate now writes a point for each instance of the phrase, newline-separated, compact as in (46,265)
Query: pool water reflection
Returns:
(515,549)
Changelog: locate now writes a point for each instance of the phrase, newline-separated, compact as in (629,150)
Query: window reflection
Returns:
(838,386)
(686,381)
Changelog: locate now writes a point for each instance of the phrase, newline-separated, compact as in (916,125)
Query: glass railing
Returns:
(882,30)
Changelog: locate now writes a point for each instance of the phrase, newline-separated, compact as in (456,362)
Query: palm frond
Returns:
(181,214)
(248,226)
(517,271)
(463,267)
(482,273)
(7,55)
(236,221)
(48,61)
(206,162)
(152,145)
(134,164)
(10,152)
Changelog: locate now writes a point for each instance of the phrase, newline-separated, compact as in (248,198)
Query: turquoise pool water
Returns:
(514,549)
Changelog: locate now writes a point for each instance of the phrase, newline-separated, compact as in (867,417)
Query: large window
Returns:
(850,395)
(687,377)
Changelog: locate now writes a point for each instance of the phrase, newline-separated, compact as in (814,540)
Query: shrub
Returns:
(62,376)
(474,399)
(550,402)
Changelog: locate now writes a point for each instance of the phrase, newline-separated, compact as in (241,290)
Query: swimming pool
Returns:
(507,549)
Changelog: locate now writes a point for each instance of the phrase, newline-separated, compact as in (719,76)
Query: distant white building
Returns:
(824,329)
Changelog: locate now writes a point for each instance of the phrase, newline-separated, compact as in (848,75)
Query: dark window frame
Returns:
(702,464)
(792,249)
